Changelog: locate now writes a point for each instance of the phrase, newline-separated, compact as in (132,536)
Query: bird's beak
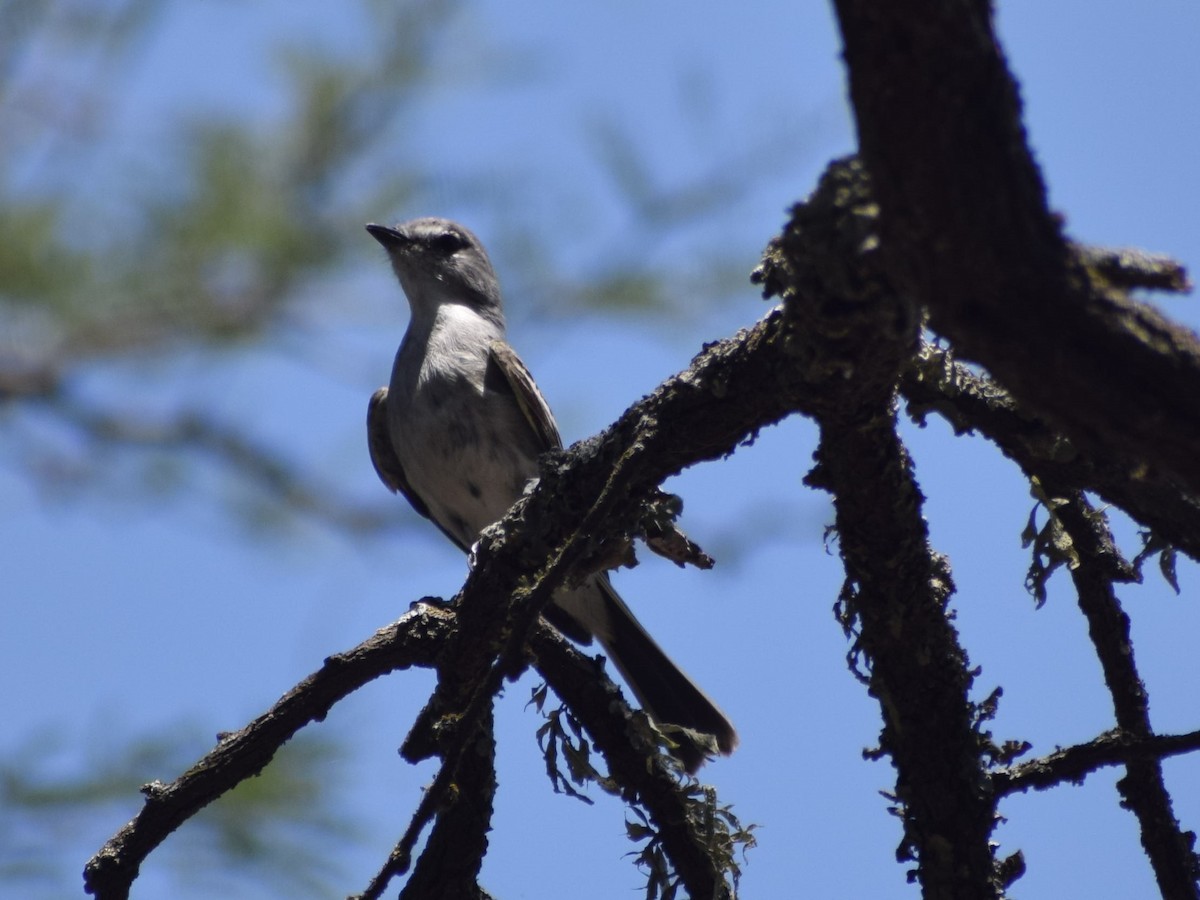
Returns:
(389,237)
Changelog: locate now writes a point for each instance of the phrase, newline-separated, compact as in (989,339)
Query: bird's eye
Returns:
(448,242)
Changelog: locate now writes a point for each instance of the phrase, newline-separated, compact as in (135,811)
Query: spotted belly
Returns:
(469,465)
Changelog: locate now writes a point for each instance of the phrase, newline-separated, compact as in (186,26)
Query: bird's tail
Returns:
(668,695)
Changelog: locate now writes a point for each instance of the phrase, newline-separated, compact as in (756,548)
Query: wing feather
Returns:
(530,400)
(387,463)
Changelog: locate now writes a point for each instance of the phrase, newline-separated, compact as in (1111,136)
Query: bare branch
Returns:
(1128,267)
(415,639)
(450,863)
(1074,764)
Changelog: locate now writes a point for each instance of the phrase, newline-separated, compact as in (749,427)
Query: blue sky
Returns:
(123,618)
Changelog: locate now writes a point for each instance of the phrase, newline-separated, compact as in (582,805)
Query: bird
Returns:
(458,432)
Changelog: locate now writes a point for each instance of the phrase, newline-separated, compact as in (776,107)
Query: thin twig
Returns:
(1074,764)
(1143,791)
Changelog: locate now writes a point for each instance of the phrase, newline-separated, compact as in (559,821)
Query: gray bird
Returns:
(459,431)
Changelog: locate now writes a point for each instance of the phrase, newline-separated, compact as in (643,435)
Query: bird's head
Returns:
(439,262)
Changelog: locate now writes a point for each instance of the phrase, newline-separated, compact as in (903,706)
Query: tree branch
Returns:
(967,232)
(1142,789)
(702,855)
(936,382)
(449,865)
(859,332)
(1127,267)
(415,639)
(1074,764)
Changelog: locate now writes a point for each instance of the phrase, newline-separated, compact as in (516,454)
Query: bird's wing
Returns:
(383,453)
(517,381)
(387,463)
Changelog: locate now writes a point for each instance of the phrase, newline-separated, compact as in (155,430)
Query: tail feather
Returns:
(668,695)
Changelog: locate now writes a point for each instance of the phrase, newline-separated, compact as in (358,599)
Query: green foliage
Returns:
(216,243)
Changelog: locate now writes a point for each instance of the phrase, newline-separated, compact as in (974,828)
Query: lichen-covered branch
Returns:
(1100,566)
(702,855)
(936,382)
(1073,764)
(449,865)
(967,233)
(859,333)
